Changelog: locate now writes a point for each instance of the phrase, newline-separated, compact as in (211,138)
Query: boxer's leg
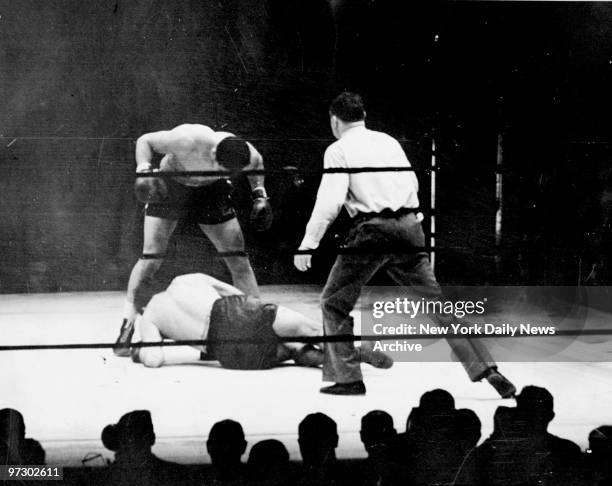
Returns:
(227,236)
(154,357)
(290,323)
(151,357)
(157,233)
(307,355)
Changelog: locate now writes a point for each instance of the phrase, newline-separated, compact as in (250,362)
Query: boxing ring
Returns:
(67,396)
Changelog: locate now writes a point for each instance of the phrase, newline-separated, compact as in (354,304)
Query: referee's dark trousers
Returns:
(399,230)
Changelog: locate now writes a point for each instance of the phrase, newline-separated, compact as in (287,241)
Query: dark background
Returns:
(80,81)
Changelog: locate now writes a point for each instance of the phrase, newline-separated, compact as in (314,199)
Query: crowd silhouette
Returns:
(438,447)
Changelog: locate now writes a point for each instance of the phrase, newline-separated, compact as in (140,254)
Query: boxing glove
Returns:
(150,189)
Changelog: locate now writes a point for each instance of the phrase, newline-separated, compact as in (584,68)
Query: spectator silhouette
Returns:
(432,453)
(318,439)
(436,409)
(467,434)
(520,451)
(436,402)
(377,432)
(15,449)
(226,445)
(535,407)
(380,440)
(467,429)
(268,464)
(598,460)
(131,439)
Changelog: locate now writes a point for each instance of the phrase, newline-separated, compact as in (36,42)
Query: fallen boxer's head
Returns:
(251,309)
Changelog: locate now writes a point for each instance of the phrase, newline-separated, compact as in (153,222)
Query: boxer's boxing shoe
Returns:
(378,359)
(353,388)
(122,345)
(502,385)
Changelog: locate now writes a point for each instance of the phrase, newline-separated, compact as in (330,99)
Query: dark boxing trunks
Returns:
(211,204)
(239,317)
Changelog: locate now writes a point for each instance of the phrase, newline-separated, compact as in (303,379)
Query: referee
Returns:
(384,211)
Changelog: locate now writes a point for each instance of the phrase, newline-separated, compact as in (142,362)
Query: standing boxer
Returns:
(384,208)
(207,199)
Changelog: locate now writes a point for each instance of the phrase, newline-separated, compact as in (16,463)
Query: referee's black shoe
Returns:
(353,388)
(122,345)
(502,385)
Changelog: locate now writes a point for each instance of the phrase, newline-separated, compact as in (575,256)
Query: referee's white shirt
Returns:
(362,192)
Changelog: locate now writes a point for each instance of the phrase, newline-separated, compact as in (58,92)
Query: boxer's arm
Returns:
(152,357)
(256,181)
(157,356)
(164,142)
(261,214)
